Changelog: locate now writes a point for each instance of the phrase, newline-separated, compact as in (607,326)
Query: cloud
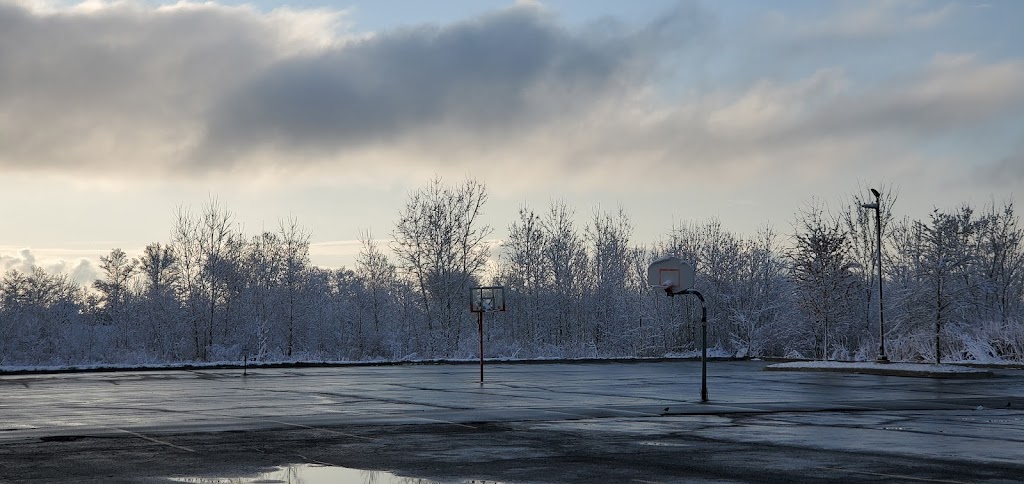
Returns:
(81,271)
(1008,171)
(194,90)
(129,90)
(487,75)
(484,82)
(873,32)
(824,118)
(23,261)
(954,91)
(123,87)
(877,19)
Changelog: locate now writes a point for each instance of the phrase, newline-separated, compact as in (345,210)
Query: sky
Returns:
(115,113)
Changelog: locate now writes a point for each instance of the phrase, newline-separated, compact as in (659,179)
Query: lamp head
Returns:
(875,193)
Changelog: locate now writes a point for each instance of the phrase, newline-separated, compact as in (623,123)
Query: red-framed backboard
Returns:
(487,299)
(671,274)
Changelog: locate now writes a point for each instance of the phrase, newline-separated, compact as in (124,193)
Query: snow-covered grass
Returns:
(412,360)
(930,370)
(968,367)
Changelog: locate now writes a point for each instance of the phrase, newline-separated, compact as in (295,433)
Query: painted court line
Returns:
(320,429)
(580,415)
(445,422)
(635,412)
(155,441)
(897,477)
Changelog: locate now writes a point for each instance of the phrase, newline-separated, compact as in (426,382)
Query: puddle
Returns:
(315,474)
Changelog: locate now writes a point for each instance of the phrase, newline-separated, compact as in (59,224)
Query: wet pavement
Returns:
(620,422)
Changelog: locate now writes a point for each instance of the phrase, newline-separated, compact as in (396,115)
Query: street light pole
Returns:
(877,207)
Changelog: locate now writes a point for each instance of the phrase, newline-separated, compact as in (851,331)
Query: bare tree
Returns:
(859,225)
(188,273)
(158,270)
(200,245)
(524,273)
(379,276)
(263,264)
(295,266)
(610,278)
(440,242)
(565,256)
(215,233)
(947,257)
(118,270)
(761,298)
(821,270)
(1001,252)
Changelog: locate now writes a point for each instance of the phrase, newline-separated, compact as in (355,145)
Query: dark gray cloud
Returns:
(122,87)
(128,88)
(489,79)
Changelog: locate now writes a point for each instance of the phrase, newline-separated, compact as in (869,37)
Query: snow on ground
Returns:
(898,369)
(963,368)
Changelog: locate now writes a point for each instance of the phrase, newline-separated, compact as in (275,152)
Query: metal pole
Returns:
(480,327)
(881,312)
(704,343)
(704,354)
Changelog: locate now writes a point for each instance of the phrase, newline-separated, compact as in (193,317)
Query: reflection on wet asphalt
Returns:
(193,399)
(309,474)
(645,409)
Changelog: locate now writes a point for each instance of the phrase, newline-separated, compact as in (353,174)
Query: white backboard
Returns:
(671,273)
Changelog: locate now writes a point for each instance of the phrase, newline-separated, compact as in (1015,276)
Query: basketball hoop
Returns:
(488,299)
(676,276)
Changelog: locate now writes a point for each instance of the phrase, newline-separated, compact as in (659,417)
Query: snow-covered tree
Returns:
(565,257)
(524,273)
(294,277)
(859,224)
(118,270)
(377,298)
(822,273)
(440,242)
(610,303)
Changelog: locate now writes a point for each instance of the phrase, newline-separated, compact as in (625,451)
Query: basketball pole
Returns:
(493,302)
(704,340)
(480,327)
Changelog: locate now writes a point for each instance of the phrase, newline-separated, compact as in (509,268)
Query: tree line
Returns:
(953,289)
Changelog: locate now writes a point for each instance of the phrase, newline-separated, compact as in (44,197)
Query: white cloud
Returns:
(952,92)
(80,270)
(933,18)
(768,107)
(338,253)
(877,18)
(806,125)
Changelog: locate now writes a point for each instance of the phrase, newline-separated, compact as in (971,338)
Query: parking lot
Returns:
(551,422)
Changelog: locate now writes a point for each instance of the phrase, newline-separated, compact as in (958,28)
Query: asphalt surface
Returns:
(596,422)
